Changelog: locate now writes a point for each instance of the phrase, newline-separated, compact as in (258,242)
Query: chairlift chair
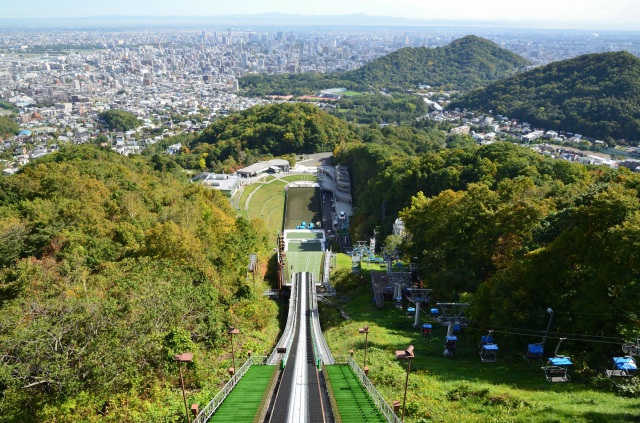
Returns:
(534,353)
(449,346)
(435,313)
(623,367)
(557,367)
(398,301)
(426,329)
(488,350)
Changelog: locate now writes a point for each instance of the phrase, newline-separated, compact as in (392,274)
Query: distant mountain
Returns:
(596,95)
(464,64)
(285,19)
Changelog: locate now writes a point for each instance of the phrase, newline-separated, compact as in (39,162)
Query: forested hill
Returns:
(107,269)
(596,95)
(512,232)
(464,64)
(265,131)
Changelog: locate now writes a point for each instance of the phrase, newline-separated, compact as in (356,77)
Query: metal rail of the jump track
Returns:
(288,332)
(321,348)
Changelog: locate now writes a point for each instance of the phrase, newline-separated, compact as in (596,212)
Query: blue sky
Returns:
(616,13)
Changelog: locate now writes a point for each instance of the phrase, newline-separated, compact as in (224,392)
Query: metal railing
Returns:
(378,400)
(313,308)
(320,347)
(326,271)
(206,413)
(287,333)
(320,343)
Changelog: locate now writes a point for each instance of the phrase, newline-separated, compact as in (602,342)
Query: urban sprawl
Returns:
(181,80)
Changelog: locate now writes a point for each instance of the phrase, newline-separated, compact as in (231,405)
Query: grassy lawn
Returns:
(351,93)
(299,177)
(462,389)
(267,203)
(245,194)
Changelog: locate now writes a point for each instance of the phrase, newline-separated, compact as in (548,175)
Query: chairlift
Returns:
(426,330)
(398,301)
(449,346)
(534,353)
(624,367)
(488,350)
(557,367)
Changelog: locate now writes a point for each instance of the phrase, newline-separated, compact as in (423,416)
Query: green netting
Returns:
(241,405)
(353,401)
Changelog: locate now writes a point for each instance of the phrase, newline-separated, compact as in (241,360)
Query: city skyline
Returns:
(591,14)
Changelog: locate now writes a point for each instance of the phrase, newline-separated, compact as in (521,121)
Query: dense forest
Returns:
(108,269)
(596,95)
(380,108)
(464,64)
(8,127)
(511,231)
(110,265)
(263,132)
(119,120)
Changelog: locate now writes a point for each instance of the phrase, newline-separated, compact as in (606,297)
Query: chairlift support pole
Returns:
(418,296)
(558,347)
(544,338)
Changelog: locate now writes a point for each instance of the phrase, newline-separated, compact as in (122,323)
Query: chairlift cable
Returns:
(541,332)
(550,336)
(543,312)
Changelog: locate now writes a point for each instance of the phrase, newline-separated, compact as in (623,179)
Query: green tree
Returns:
(8,126)
(119,120)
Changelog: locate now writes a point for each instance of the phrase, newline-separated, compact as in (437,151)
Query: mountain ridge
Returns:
(464,64)
(596,95)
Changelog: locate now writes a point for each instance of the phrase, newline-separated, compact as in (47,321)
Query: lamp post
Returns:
(186,357)
(365,330)
(405,355)
(233,331)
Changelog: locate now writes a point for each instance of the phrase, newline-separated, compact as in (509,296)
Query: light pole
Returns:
(186,357)
(233,331)
(405,355)
(365,330)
